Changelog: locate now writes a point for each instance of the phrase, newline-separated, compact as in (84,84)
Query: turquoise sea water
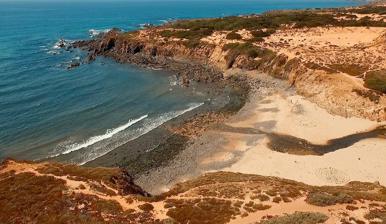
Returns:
(47,110)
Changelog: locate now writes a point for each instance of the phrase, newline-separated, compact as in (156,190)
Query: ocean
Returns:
(48,110)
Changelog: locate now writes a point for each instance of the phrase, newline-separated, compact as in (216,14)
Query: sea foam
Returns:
(94,32)
(102,148)
(109,133)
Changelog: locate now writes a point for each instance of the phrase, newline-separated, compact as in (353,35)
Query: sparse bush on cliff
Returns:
(258,35)
(365,21)
(376,80)
(299,19)
(270,20)
(379,214)
(246,49)
(326,199)
(187,34)
(298,218)
(368,10)
(193,36)
(234,36)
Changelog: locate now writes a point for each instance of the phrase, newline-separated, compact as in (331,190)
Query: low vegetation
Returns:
(189,34)
(327,199)
(270,21)
(212,198)
(26,197)
(247,49)
(378,214)
(298,218)
(258,35)
(234,36)
(381,10)
(191,38)
(376,80)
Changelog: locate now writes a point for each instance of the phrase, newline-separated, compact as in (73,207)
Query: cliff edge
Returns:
(334,57)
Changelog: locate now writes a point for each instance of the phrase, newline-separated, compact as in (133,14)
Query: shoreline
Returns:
(159,146)
(294,130)
(275,77)
(239,151)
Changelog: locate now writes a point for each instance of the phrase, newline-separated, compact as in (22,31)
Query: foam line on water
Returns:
(95,32)
(109,133)
(147,127)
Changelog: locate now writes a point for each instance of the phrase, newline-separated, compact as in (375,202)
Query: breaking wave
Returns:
(91,141)
(103,147)
(95,33)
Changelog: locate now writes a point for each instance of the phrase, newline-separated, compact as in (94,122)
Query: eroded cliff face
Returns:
(187,63)
(58,193)
(322,63)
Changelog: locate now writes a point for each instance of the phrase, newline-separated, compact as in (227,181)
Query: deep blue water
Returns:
(46,109)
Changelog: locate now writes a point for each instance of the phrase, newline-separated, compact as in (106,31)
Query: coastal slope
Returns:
(72,194)
(334,57)
(315,114)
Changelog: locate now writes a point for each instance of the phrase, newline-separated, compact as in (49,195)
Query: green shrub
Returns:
(246,49)
(187,34)
(376,80)
(376,214)
(271,20)
(234,36)
(298,218)
(258,35)
(326,199)
(146,207)
(369,10)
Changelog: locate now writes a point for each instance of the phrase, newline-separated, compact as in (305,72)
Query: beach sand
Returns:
(241,143)
(290,114)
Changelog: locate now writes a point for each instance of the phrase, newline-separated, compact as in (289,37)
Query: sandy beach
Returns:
(288,114)
(241,144)
(294,115)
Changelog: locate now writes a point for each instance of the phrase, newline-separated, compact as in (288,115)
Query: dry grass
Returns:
(298,218)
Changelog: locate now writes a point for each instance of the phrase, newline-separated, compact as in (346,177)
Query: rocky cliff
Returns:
(314,50)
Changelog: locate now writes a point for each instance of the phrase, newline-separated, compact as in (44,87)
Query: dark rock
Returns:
(125,185)
(73,65)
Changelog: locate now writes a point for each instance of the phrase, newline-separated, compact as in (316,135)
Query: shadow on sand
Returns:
(293,145)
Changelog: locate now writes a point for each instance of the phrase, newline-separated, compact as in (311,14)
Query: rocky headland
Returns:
(334,57)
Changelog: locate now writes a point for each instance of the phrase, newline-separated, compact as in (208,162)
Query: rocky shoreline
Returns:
(198,50)
(160,146)
(222,61)
(265,156)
